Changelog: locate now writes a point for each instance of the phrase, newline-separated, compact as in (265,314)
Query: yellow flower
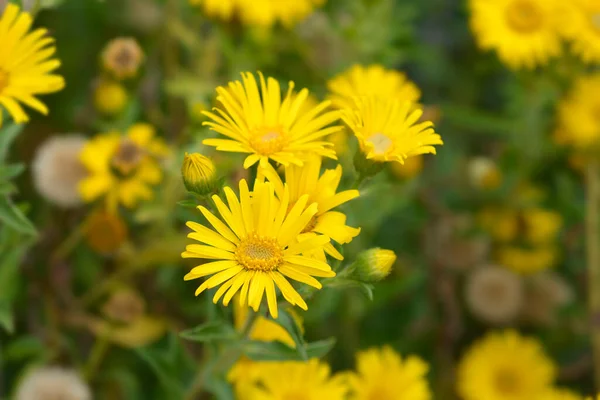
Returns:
(261,13)
(582,26)
(122,168)
(387,130)
(258,122)
(558,394)
(579,113)
(372,80)
(484,173)
(288,380)
(105,232)
(374,264)
(199,174)
(321,190)
(527,261)
(383,374)
(340,142)
(502,224)
(26,64)
(122,57)
(110,98)
(256,247)
(523,32)
(505,366)
(412,166)
(541,226)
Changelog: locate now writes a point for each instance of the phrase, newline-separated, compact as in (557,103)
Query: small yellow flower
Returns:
(288,380)
(502,224)
(321,190)
(26,64)
(527,260)
(581,24)
(254,247)
(222,9)
(372,80)
(412,167)
(374,264)
(259,123)
(199,174)
(110,98)
(122,168)
(105,232)
(387,130)
(504,365)
(523,32)
(122,57)
(541,226)
(484,173)
(579,114)
(383,374)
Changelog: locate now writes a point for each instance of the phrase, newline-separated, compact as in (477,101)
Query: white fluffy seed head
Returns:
(52,383)
(494,294)
(57,170)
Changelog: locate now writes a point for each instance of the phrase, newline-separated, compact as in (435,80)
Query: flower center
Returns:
(380,393)
(381,143)
(3,80)
(507,382)
(268,141)
(127,157)
(259,253)
(294,396)
(524,16)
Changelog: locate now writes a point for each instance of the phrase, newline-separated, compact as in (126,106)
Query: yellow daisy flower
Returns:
(122,168)
(287,380)
(26,64)
(256,248)
(383,374)
(372,80)
(505,366)
(578,113)
(523,32)
(321,189)
(387,130)
(582,27)
(256,121)
(541,226)
(527,260)
(558,394)
(216,8)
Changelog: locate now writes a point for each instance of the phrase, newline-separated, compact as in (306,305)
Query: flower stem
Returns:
(99,350)
(248,324)
(593,259)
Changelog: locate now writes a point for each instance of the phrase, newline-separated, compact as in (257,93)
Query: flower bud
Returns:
(110,98)
(199,174)
(374,264)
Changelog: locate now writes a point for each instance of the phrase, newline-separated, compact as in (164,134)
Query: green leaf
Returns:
(289,324)
(188,203)
(23,348)
(6,317)
(210,331)
(10,171)
(365,288)
(12,216)
(277,351)
(320,348)
(7,135)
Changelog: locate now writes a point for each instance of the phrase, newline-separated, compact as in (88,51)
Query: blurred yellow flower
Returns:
(484,173)
(374,264)
(256,247)
(340,142)
(527,260)
(110,98)
(412,167)
(199,174)
(582,26)
(383,374)
(261,13)
(122,57)
(310,380)
(504,365)
(122,168)
(387,130)
(558,394)
(578,113)
(105,232)
(321,190)
(523,32)
(541,226)
(371,80)
(258,122)
(502,224)
(26,64)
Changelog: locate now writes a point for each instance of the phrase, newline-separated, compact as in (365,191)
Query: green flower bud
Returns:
(373,265)
(199,174)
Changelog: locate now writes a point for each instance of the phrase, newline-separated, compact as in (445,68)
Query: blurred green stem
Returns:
(64,249)
(99,350)
(593,259)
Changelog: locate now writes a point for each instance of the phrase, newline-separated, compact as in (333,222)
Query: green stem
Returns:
(593,259)
(248,324)
(97,354)
(66,247)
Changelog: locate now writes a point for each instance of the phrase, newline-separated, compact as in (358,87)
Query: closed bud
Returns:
(110,98)
(199,174)
(373,265)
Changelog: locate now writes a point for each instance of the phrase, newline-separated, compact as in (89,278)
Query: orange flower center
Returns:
(507,382)
(268,141)
(259,253)
(4,79)
(380,142)
(524,16)
(127,157)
